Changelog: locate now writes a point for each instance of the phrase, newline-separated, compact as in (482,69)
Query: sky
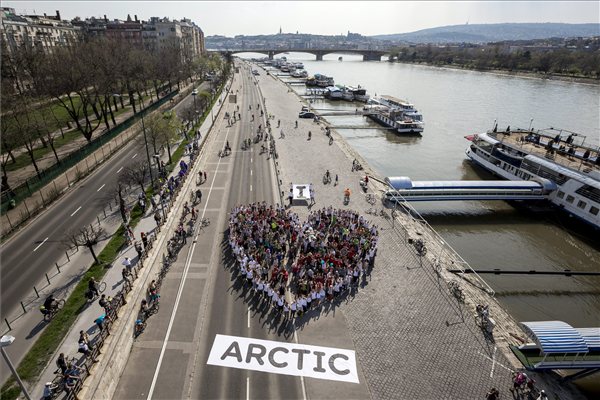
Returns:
(230,18)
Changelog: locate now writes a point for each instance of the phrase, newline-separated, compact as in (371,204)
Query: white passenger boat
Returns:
(395,113)
(552,154)
(359,93)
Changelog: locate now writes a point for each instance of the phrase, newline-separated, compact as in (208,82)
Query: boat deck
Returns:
(576,162)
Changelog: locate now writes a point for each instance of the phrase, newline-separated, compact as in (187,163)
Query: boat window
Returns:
(560,194)
(594,210)
(570,199)
(581,204)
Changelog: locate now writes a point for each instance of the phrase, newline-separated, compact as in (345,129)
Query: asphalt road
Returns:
(32,252)
(168,360)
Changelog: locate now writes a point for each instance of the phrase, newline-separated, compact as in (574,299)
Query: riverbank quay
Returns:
(410,333)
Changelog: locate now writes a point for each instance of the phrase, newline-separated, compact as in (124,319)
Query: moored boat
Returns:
(395,113)
(550,154)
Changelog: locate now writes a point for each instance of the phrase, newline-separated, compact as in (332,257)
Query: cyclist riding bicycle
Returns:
(49,304)
(327,175)
(93,286)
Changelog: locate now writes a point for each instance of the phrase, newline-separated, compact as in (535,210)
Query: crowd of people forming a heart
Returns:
(297,265)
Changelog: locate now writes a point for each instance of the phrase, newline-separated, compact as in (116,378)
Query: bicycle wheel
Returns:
(60,303)
(102,287)
(48,316)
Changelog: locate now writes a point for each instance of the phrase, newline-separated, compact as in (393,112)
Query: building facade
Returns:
(45,31)
(51,31)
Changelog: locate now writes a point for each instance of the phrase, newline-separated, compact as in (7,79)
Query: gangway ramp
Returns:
(402,189)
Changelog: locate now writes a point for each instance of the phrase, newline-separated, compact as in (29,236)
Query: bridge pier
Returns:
(271,55)
(319,57)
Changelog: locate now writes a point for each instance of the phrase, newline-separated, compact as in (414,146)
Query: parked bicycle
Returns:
(370,198)
(456,291)
(420,247)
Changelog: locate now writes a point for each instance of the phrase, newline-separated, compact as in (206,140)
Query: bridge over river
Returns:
(368,54)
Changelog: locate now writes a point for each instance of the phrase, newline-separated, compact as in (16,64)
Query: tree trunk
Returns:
(9,152)
(169,151)
(112,115)
(29,148)
(132,101)
(105,117)
(91,247)
(96,112)
(54,151)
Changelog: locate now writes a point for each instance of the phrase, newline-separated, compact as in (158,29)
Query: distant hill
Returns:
(483,33)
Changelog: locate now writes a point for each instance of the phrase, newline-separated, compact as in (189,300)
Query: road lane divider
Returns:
(39,245)
(100,188)
(75,212)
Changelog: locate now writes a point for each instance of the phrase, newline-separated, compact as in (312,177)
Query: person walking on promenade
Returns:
(61,363)
(127,264)
(83,336)
(145,241)
(493,394)
(309,135)
(138,249)
(336,180)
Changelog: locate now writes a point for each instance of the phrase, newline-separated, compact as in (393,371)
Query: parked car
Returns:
(195,92)
(255,72)
(306,114)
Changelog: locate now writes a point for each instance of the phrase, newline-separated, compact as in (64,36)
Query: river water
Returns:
(491,234)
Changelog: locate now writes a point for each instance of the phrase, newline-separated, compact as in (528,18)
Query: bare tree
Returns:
(136,173)
(88,236)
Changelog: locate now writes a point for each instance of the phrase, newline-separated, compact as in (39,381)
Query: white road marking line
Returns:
(250,172)
(38,246)
(247,388)
(250,187)
(248,317)
(75,212)
(503,366)
(493,362)
(301,377)
(134,156)
(250,159)
(187,264)
(119,170)
(100,188)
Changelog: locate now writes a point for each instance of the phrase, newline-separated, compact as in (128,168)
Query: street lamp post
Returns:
(147,151)
(6,341)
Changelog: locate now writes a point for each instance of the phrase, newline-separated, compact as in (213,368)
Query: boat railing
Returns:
(442,251)
(562,157)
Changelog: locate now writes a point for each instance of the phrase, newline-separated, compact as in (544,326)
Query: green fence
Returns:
(46,176)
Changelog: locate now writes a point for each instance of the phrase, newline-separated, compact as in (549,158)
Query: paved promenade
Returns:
(413,339)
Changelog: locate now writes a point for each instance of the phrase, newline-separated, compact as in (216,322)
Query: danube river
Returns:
(490,234)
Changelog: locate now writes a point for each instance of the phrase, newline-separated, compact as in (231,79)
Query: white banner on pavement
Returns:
(284,358)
